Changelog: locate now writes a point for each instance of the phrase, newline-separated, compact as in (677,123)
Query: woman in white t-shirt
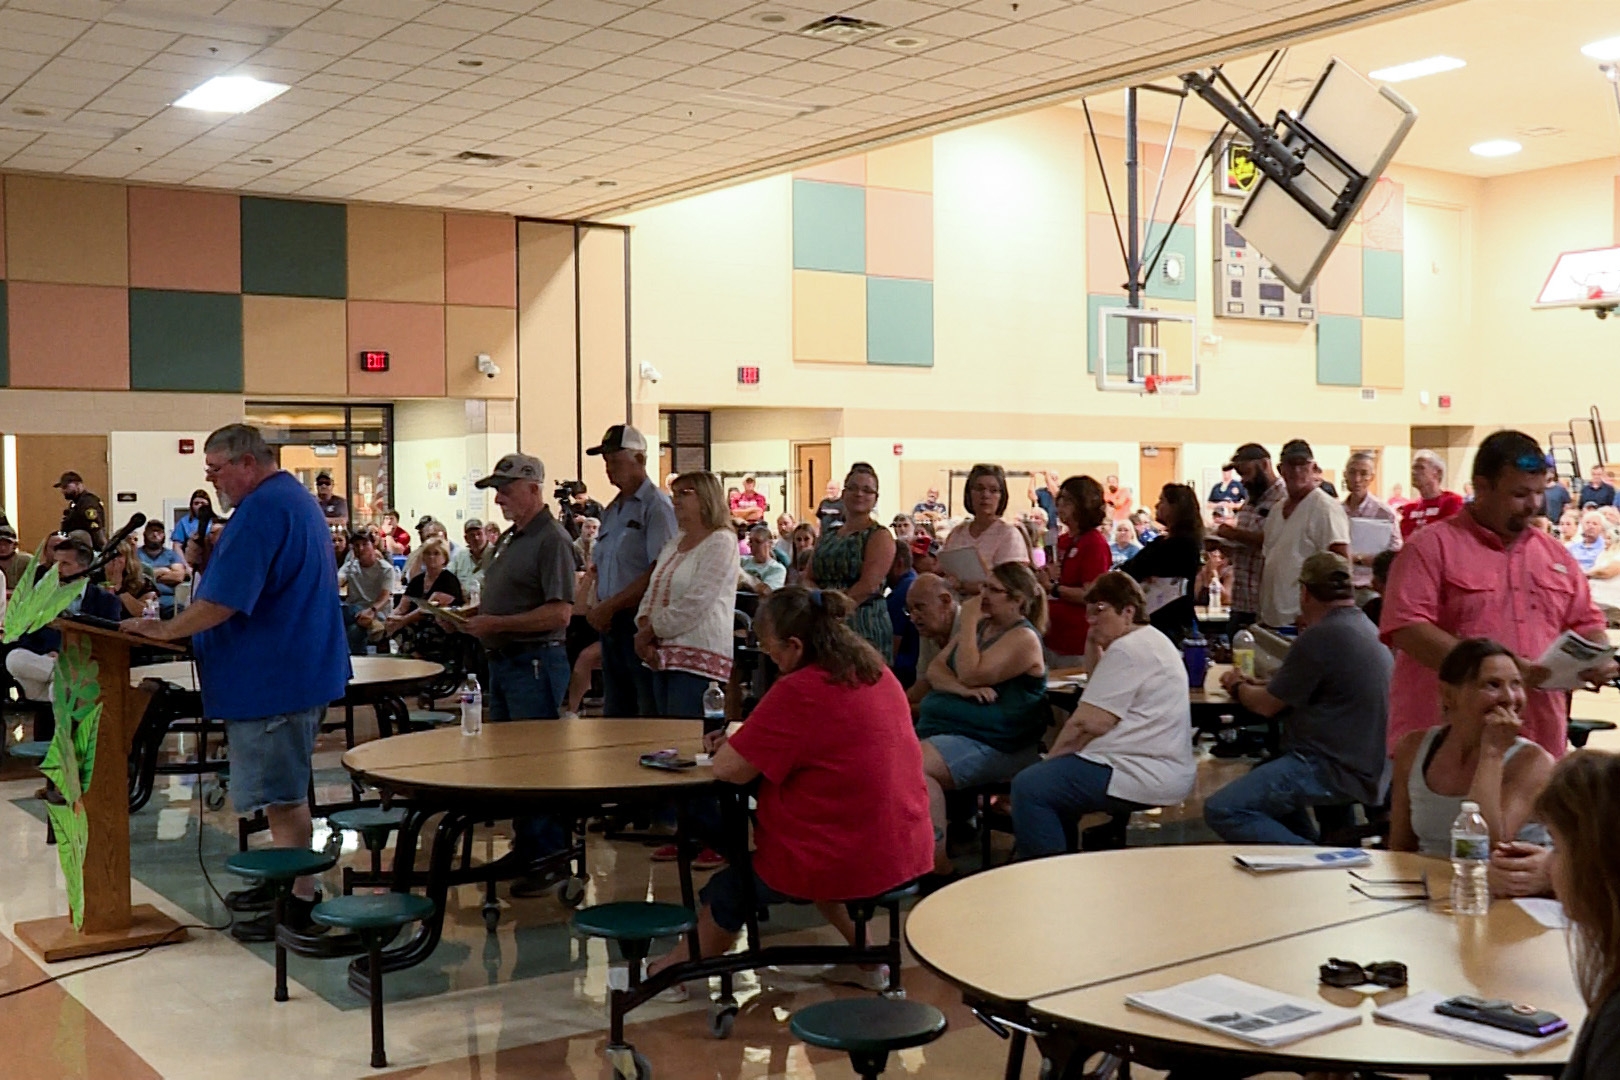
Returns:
(1128,744)
(995,540)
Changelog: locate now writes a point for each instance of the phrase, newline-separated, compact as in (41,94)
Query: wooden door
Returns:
(1160,465)
(812,468)
(41,459)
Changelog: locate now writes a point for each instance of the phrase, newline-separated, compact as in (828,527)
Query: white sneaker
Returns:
(569,714)
(618,978)
(875,979)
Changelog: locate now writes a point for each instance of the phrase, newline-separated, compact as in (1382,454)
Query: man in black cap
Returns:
(635,527)
(84,510)
(335,508)
(1308,521)
(12,561)
(523,613)
(1246,535)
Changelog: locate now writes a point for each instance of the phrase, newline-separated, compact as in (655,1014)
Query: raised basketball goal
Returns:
(1589,280)
(1147,352)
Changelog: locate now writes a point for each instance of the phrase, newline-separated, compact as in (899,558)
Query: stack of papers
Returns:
(1244,1011)
(1417,1012)
(1567,657)
(1282,859)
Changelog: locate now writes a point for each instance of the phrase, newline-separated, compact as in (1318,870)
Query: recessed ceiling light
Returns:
(1416,69)
(470,62)
(1541,131)
(1495,148)
(771,18)
(1607,49)
(231,94)
(906,41)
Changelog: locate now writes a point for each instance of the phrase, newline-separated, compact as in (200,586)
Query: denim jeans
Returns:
(627,685)
(530,685)
(678,694)
(1049,799)
(1269,804)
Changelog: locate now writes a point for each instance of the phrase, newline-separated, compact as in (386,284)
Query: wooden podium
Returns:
(111,923)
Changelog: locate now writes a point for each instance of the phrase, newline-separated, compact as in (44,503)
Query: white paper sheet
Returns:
(1310,860)
(963,564)
(1417,1011)
(1567,657)
(1549,913)
(1369,536)
(1244,1011)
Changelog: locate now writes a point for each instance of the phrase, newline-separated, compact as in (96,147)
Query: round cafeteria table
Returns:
(509,770)
(1071,936)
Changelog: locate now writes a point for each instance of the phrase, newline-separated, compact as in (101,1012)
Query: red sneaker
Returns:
(667,853)
(708,859)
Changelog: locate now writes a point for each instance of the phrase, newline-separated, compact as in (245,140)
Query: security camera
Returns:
(487,367)
(650,373)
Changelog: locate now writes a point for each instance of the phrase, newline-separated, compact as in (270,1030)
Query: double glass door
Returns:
(354,444)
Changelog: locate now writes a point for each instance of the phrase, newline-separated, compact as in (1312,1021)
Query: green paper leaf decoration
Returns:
(70,761)
(33,603)
(72,828)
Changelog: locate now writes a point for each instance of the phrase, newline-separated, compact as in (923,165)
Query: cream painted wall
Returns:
(149,464)
(449,438)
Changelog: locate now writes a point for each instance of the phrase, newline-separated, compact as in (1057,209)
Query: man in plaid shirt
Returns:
(1265,490)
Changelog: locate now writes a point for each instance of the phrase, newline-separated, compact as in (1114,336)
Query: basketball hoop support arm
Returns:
(1273,157)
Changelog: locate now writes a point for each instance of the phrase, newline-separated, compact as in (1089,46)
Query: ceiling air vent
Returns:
(841,28)
(1541,131)
(481,159)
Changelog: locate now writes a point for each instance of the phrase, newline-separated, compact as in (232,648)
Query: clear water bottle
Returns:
(1470,855)
(1214,595)
(1243,652)
(472,706)
(714,708)
(474,594)
(149,610)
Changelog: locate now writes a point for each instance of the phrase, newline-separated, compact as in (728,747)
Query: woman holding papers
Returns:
(1580,806)
(985,534)
(1477,754)
(432,582)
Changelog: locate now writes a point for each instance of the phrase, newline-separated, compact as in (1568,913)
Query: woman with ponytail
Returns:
(842,810)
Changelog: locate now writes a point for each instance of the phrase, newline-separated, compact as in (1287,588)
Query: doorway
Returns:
(353,443)
(41,460)
(1158,465)
(812,468)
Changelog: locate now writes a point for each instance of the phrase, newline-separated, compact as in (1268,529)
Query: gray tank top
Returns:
(1433,814)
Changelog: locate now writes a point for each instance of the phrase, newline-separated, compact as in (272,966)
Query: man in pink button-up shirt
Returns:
(1485,573)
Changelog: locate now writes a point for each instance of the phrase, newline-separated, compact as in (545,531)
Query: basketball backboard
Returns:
(1364,125)
(1140,351)
(1583,279)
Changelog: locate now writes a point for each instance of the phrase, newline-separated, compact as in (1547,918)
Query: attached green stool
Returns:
(422,719)
(375,825)
(1579,730)
(376,919)
(867,1029)
(280,867)
(634,925)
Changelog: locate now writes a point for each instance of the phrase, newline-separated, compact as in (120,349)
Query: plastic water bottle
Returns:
(1214,595)
(1243,652)
(472,706)
(1470,854)
(149,610)
(714,708)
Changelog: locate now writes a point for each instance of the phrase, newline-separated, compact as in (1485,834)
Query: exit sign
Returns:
(748,376)
(372,360)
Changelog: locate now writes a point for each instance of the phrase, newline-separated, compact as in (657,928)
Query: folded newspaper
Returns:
(1284,859)
(1416,1011)
(1244,1011)
(440,610)
(1567,657)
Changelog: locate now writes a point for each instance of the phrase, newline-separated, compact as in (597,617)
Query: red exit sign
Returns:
(373,360)
(748,376)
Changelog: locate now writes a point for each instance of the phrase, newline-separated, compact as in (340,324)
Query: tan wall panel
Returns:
(546,425)
(66,231)
(469,331)
(294,345)
(604,344)
(396,254)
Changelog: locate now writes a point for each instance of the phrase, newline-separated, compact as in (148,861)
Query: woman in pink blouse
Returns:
(995,540)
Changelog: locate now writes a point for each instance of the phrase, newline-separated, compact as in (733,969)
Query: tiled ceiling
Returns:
(600,104)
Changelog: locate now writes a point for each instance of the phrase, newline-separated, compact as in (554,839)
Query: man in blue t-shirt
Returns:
(163,565)
(267,631)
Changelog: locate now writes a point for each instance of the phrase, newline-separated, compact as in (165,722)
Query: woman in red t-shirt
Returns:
(1082,557)
(842,806)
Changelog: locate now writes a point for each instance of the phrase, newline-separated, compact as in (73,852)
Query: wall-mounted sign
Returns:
(1237,173)
(373,360)
(748,376)
(188,446)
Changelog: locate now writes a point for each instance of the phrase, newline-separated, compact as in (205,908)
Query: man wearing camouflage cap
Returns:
(1333,692)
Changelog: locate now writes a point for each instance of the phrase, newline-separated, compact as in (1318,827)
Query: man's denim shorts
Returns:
(270,759)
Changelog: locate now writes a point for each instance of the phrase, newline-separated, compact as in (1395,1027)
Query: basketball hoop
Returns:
(1168,384)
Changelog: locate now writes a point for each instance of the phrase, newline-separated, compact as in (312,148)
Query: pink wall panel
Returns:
(480,260)
(1338,286)
(412,334)
(184,240)
(1105,266)
(70,337)
(899,234)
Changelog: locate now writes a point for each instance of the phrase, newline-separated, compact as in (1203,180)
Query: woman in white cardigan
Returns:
(684,624)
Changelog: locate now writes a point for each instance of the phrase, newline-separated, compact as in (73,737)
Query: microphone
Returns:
(136,521)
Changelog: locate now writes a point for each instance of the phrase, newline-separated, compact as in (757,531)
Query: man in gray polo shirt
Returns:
(1335,684)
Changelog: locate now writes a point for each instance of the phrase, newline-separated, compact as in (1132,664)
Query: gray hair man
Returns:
(267,632)
(635,527)
(934,609)
(1432,502)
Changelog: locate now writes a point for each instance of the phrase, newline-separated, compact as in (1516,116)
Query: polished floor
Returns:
(526,1001)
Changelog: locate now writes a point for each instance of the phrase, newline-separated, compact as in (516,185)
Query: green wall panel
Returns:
(829,227)
(899,322)
(1383,284)
(185,341)
(1116,347)
(1184,245)
(1338,350)
(292,248)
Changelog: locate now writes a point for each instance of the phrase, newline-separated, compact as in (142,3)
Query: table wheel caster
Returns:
(571,892)
(629,1064)
(898,994)
(492,917)
(214,797)
(722,1015)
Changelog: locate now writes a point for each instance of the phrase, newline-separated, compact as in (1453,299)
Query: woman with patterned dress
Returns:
(855,558)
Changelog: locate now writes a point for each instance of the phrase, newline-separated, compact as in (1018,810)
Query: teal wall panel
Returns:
(1338,350)
(185,341)
(1116,347)
(292,248)
(1383,284)
(899,322)
(829,227)
(1183,245)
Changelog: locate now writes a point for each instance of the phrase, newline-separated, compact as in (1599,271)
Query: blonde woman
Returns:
(127,578)
(430,579)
